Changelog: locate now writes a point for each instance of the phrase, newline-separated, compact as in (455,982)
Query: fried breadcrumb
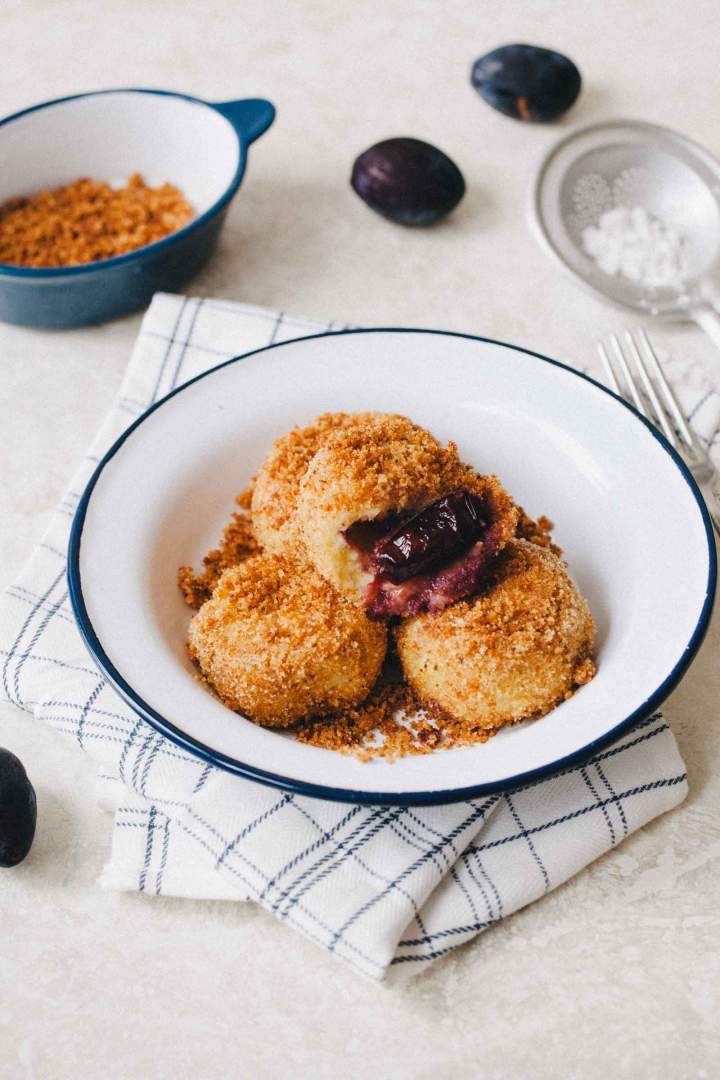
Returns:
(514,651)
(537,532)
(281,623)
(278,645)
(238,543)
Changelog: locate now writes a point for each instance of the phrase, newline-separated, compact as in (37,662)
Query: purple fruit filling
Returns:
(426,560)
(430,537)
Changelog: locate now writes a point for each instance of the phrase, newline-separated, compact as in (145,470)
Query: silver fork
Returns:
(642,382)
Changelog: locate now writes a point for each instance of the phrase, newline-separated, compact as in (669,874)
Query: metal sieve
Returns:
(633,163)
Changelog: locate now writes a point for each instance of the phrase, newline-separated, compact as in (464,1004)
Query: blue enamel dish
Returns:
(199,146)
(628,515)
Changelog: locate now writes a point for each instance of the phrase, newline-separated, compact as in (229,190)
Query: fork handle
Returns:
(707,311)
(708,318)
(711,494)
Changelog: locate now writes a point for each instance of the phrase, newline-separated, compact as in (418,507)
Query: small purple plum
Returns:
(527,82)
(18,810)
(408,181)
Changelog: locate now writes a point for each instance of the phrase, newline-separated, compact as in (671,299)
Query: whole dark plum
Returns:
(408,181)
(527,82)
(18,810)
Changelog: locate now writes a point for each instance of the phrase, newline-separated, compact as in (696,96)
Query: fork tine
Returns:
(660,413)
(670,399)
(609,369)
(629,381)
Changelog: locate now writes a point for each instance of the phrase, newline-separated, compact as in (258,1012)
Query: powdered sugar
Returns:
(630,241)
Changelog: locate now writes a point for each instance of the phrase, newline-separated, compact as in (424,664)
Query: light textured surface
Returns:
(616,973)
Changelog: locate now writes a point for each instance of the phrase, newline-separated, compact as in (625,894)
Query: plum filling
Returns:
(426,560)
(430,537)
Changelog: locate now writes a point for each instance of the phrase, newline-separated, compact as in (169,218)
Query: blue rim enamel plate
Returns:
(627,514)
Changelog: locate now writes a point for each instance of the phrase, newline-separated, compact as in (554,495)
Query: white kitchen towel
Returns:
(378,886)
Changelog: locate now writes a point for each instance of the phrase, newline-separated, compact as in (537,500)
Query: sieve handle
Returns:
(707,311)
(708,316)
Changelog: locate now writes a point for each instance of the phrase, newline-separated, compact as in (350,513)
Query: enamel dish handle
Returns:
(250,116)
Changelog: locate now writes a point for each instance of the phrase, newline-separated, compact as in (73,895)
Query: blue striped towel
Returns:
(380,887)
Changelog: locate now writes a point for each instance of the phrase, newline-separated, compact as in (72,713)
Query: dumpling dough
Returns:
(279,645)
(514,651)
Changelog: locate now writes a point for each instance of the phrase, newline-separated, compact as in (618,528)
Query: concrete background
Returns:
(616,973)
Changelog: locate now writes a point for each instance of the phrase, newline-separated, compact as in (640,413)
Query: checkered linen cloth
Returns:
(376,886)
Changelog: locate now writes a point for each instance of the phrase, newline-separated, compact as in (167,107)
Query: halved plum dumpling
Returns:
(428,559)
(388,513)
(277,484)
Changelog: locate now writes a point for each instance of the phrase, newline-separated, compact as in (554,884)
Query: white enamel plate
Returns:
(627,514)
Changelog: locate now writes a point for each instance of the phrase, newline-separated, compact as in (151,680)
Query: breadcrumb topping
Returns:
(238,543)
(277,486)
(281,614)
(279,645)
(88,220)
(537,532)
(514,651)
(392,723)
(384,461)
